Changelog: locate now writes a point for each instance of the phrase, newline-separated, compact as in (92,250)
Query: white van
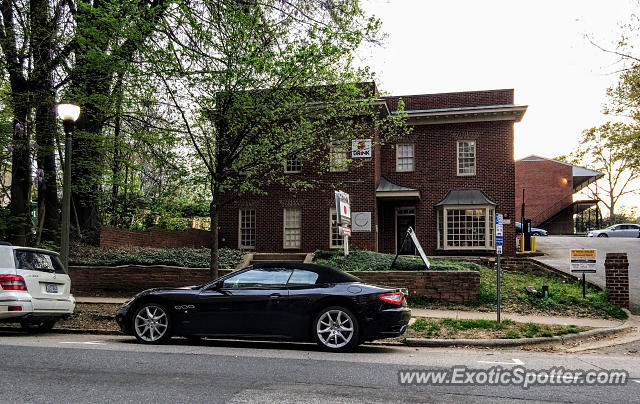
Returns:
(35,289)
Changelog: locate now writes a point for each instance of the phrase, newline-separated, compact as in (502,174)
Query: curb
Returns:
(558,339)
(67,331)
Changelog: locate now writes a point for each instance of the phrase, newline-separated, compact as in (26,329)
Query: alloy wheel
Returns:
(151,323)
(335,328)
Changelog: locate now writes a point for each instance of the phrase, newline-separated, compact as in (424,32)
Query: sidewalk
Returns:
(455,314)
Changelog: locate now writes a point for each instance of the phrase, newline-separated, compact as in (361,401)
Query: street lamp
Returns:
(69,113)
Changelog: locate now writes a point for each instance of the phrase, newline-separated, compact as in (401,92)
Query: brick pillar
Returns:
(616,267)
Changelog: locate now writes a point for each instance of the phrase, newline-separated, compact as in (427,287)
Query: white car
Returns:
(617,230)
(35,289)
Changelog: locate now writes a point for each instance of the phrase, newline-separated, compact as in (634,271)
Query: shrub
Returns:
(183,257)
(362,260)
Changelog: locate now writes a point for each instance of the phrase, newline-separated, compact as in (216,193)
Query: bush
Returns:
(183,257)
(362,260)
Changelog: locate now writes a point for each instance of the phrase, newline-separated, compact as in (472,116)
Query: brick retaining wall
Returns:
(453,286)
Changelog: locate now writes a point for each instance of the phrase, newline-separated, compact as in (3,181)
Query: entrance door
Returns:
(405,218)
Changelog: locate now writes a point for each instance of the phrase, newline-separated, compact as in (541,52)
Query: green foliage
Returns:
(473,324)
(419,325)
(184,257)
(511,335)
(363,260)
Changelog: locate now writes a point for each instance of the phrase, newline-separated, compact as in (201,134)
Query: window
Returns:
(292,164)
(404,157)
(466,157)
(247,228)
(464,227)
(336,238)
(35,261)
(302,278)
(338,157)
(259,278)
(292,227)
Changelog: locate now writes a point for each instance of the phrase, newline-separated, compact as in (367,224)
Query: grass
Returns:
(183,257)
(565,297)
(448,328)
(362,260)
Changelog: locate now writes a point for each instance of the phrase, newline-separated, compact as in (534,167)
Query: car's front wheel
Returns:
(151,324)
(336,329)
(602,235)
(37,326)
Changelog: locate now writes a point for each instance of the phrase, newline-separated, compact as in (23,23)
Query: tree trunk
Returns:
(20,206)
(213,214)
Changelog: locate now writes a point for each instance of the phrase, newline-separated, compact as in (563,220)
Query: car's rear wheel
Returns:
(37,326)
(336,329)
(151,324)
(602,235)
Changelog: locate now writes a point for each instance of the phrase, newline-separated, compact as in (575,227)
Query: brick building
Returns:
(446,180)
(549,187)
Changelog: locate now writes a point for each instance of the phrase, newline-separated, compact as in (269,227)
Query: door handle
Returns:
(274,296)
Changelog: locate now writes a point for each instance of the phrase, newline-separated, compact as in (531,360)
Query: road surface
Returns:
(89,368)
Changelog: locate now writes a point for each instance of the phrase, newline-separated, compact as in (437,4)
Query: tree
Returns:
(253,82)
(614,149)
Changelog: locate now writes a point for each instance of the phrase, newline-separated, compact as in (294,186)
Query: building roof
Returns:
(465,197)
(387,189)
(581,176)
(503,112)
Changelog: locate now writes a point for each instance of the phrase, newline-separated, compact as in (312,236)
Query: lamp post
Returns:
(69,113)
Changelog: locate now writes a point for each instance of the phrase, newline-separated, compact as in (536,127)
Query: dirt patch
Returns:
(92,317)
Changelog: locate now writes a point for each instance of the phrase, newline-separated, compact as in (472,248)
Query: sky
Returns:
(539,48)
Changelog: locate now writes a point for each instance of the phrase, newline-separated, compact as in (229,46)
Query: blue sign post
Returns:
(499,241)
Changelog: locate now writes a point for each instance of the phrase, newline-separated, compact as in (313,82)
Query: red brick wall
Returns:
(154,237)
(544,190)
(436,173)
(616,268)
(451,100)
(454,286)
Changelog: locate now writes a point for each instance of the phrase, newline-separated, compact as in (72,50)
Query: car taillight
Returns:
(393,298)
(12,282)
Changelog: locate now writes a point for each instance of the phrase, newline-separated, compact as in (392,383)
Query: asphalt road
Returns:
(557,250)
(89,368)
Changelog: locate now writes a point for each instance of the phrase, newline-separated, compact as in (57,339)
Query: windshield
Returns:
(37,261)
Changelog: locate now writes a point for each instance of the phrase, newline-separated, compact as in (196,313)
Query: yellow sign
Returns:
(583,253)
(583,261)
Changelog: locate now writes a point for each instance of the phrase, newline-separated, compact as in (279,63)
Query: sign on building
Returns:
(361,222)
(583,261)
(360,148)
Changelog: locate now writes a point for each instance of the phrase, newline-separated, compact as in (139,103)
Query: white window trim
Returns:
(240,246)
(475,157)
(334,166)
(413,158)
(489,234)
(294,171)
(333,211)
(284,229)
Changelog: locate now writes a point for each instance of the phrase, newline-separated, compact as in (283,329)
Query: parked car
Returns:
(281,301)
(617,230)
(35,289)
(534,230)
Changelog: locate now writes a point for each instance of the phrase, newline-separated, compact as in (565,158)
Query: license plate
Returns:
(52,288)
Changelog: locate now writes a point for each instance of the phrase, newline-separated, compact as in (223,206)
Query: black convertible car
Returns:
(284,301)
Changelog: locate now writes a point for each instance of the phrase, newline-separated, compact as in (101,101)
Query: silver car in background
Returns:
(617,230)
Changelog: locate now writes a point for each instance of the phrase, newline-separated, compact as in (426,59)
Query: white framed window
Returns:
(466,157)
(292,164)
(334,230)
(404,157)
(292,227)
(466,228)
(247,229)
(338,157)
